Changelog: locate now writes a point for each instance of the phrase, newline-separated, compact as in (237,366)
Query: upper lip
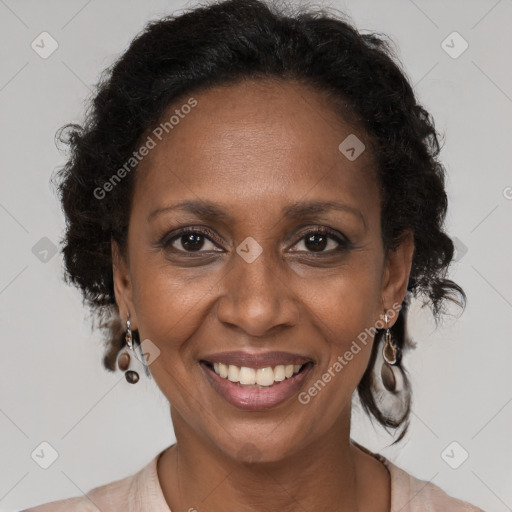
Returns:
(255,360)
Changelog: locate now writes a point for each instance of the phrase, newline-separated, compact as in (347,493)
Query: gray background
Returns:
(52,385)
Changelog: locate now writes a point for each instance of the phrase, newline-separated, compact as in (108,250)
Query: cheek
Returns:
(345,308)
(349,299)
(171,304)
(168,303)
(170,308)
(345,344)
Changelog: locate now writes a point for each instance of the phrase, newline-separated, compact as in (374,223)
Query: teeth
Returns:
(247,375)
(265,376)
(256,376)
(233,373)
(223,370)
(279,373)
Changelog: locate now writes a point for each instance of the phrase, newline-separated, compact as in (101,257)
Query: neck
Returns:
(322,475)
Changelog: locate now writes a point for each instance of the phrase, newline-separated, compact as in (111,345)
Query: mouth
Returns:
(255,388)
(255,377)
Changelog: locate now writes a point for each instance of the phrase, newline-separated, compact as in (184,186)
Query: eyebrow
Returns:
(296,210)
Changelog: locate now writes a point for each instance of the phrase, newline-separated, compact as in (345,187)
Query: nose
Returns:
(256,297)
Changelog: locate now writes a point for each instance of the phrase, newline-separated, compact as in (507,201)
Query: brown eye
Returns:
(192,241)
(318,241)
(189,241)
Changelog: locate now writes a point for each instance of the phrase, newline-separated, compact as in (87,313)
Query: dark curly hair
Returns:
(222,43)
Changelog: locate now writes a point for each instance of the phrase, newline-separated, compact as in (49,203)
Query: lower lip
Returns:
(255,399)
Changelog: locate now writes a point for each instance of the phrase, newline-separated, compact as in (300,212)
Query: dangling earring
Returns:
(390,353)
(123,360)
(389,382)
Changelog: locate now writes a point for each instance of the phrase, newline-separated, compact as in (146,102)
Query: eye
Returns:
(316,241)
(190,240)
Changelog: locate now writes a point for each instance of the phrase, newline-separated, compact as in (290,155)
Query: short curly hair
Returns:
(229,41)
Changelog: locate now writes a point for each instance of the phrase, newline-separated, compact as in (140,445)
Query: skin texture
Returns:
(253,148)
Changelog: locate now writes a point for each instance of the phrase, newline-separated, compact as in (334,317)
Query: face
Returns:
(245,270)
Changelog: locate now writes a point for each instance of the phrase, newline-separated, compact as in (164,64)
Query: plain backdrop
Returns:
(53,388)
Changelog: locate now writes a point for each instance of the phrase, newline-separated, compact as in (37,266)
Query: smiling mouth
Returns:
(257,378)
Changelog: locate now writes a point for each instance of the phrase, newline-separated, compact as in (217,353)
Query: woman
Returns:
(251,205)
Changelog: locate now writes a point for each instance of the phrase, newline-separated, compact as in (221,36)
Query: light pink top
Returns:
(141,492)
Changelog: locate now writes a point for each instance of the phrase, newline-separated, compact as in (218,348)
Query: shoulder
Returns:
(105,497)
(121,495)
(71,505)
(410,494)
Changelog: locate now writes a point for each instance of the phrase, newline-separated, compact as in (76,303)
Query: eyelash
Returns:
(168,240)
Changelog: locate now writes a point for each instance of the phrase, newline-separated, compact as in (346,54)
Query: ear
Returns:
(397,269)
(123,285)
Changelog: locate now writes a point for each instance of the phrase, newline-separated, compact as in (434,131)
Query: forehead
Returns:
(257,141)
